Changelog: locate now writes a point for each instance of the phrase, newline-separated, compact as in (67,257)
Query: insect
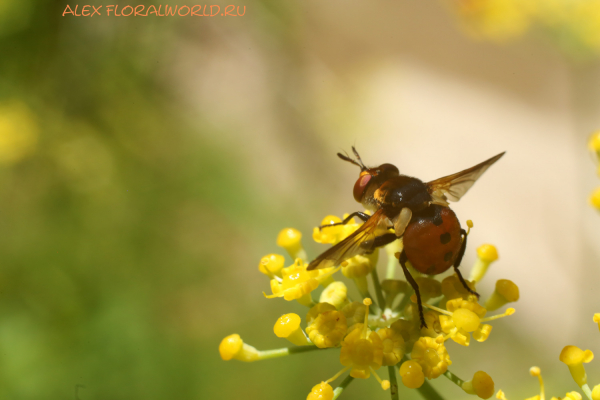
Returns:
(418,212)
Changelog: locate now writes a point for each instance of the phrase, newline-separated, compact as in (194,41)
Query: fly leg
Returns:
(364,217)
(414,285)
(461,253)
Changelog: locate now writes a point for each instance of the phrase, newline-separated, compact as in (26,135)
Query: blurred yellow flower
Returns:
(19,132)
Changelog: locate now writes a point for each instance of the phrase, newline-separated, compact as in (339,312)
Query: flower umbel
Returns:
(369,336)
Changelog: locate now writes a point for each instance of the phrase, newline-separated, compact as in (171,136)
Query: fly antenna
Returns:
(346,157)
(362,165)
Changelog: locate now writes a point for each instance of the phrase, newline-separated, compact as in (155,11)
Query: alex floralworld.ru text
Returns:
(145,11)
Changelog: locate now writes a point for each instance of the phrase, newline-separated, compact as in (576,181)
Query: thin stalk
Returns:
(455,379)
(285,351)
(338,390)
(378,291)
(393,383)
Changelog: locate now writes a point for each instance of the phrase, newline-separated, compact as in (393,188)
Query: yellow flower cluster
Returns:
(576,23)
(371,335)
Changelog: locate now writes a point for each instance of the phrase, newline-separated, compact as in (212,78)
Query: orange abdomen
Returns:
(432,240)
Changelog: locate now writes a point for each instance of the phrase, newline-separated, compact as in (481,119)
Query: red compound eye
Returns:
(361,185)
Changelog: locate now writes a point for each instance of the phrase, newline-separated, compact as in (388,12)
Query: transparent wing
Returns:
(453,187)
(359,242)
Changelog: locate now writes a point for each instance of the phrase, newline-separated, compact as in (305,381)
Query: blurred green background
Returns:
(148,163)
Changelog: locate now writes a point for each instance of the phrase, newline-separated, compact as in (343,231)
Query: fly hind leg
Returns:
(414,285)
(458,260)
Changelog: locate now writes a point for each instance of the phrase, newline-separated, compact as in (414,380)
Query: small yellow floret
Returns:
(506,292)
(291,240)
(432,356)
(393,346)
(297,282)
(288,327)
(385,384)
(574,357)
(354,312)
(317,309)
(271,265)
(234,347)
(328,234)
(361,353)
(481,385)
(597,319)
(286,324)
(322,391)
(358,267)
(466,319)
(412,374)
(595,198)
(335,293)
(328,329)
(487,252)
(596,393)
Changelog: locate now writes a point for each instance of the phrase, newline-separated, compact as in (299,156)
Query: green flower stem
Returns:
(428,392)
(393,383)
(338,390)
(587,391)
(378,291)
(285,351)
(455,379)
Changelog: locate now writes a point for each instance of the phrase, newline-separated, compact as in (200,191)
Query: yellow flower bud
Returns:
(322,391)
(574,357)
(506,292)
(412,374)
(271,265)
(482,385)
(336,294)
(486,254)
(288,327)
(234,347)
(291,240)
(597,319)
(596,393)
(595,198)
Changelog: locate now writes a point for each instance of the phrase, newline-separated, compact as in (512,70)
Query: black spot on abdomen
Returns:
(445,237)
(448,256)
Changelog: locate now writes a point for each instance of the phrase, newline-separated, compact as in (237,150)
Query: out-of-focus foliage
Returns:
(573,24)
